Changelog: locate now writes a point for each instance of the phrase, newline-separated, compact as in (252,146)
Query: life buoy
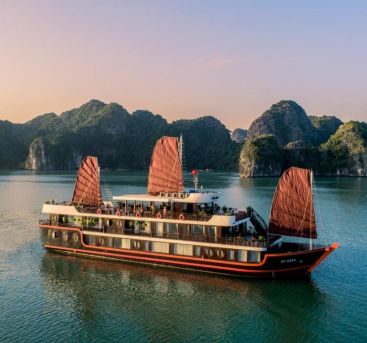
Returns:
(220,253)
(136,244)
(119,223)
(53,234)
(208,252)
(138,214)
(100,240)
(99,211)
(75,237)
(159,215)
(65,236)
(181,216)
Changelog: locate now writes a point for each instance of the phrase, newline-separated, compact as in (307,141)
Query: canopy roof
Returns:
(292,212)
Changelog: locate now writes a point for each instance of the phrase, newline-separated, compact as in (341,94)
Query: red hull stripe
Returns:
(229,263)
(327,252)
(177,262)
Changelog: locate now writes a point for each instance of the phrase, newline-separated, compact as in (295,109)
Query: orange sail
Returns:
(165,172)
(87,190)
(292,212)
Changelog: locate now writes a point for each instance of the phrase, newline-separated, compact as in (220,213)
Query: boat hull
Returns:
(272,265)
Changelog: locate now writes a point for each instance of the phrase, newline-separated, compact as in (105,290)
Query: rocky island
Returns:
(285,136)
(281,137)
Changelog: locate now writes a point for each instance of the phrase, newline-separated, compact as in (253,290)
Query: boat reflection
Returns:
(167,305)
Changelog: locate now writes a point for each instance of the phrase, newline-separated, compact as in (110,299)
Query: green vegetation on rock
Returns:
(119,139)
(323,144)
(345,153)
(261,156)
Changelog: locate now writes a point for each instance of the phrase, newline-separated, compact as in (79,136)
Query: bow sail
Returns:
(165,171)
(292,212)
(87,189)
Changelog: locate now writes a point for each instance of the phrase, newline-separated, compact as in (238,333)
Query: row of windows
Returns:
(175,248)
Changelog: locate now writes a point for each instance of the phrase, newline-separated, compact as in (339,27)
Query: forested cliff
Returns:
(281,137)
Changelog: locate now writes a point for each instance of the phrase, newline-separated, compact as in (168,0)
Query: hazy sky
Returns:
(184,59)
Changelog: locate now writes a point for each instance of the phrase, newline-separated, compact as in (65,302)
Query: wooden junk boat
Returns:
(187,229)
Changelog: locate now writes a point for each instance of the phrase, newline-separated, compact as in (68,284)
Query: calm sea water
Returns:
(46,297)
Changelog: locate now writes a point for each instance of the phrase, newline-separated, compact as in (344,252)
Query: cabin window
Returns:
(225,231)
(197,230)
(254,256)
(197,251)
(125,243)
(184,229)
(160,247)
(171,228)
(148,226)
(211,230)
(146,246)
(242,255)
(117,243)
(230,254)
(183,249)
(91,240)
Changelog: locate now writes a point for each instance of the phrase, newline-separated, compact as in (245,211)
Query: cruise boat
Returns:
(181,228)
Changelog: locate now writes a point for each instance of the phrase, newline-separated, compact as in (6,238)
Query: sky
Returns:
(184,59)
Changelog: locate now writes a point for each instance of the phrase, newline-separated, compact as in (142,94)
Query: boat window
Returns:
(197,229)
(254,256)
(117,243)
(242,255)
(183,249)
(211,230)
(197,251)
(184,229)
(172,228)
(125,243)
(230,254)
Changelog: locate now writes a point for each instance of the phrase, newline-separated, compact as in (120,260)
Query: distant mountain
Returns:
(239,135)
(281,137)
(285,136)
(346,151)
(325,126)
(287,122)
(261,156)
(119,139)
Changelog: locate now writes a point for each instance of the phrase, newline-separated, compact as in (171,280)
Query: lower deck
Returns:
(218,258)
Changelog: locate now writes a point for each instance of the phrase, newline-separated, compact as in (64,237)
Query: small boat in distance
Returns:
(173,227)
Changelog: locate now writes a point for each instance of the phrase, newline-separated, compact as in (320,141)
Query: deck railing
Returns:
(198,216)
(240,241)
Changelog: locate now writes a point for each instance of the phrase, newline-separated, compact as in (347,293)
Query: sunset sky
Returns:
(184,59)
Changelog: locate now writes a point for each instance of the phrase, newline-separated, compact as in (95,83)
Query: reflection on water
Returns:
(55,298)
(172,305)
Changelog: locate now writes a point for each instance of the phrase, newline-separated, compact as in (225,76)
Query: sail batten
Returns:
(165,171)
(87,189)
(292,212)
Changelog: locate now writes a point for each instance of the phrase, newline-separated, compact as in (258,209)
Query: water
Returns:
(46,297)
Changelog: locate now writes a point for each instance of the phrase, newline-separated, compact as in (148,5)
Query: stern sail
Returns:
(87,189)
(165,171)
(292,211)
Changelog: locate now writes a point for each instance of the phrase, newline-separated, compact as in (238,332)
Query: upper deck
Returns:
(180,197)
